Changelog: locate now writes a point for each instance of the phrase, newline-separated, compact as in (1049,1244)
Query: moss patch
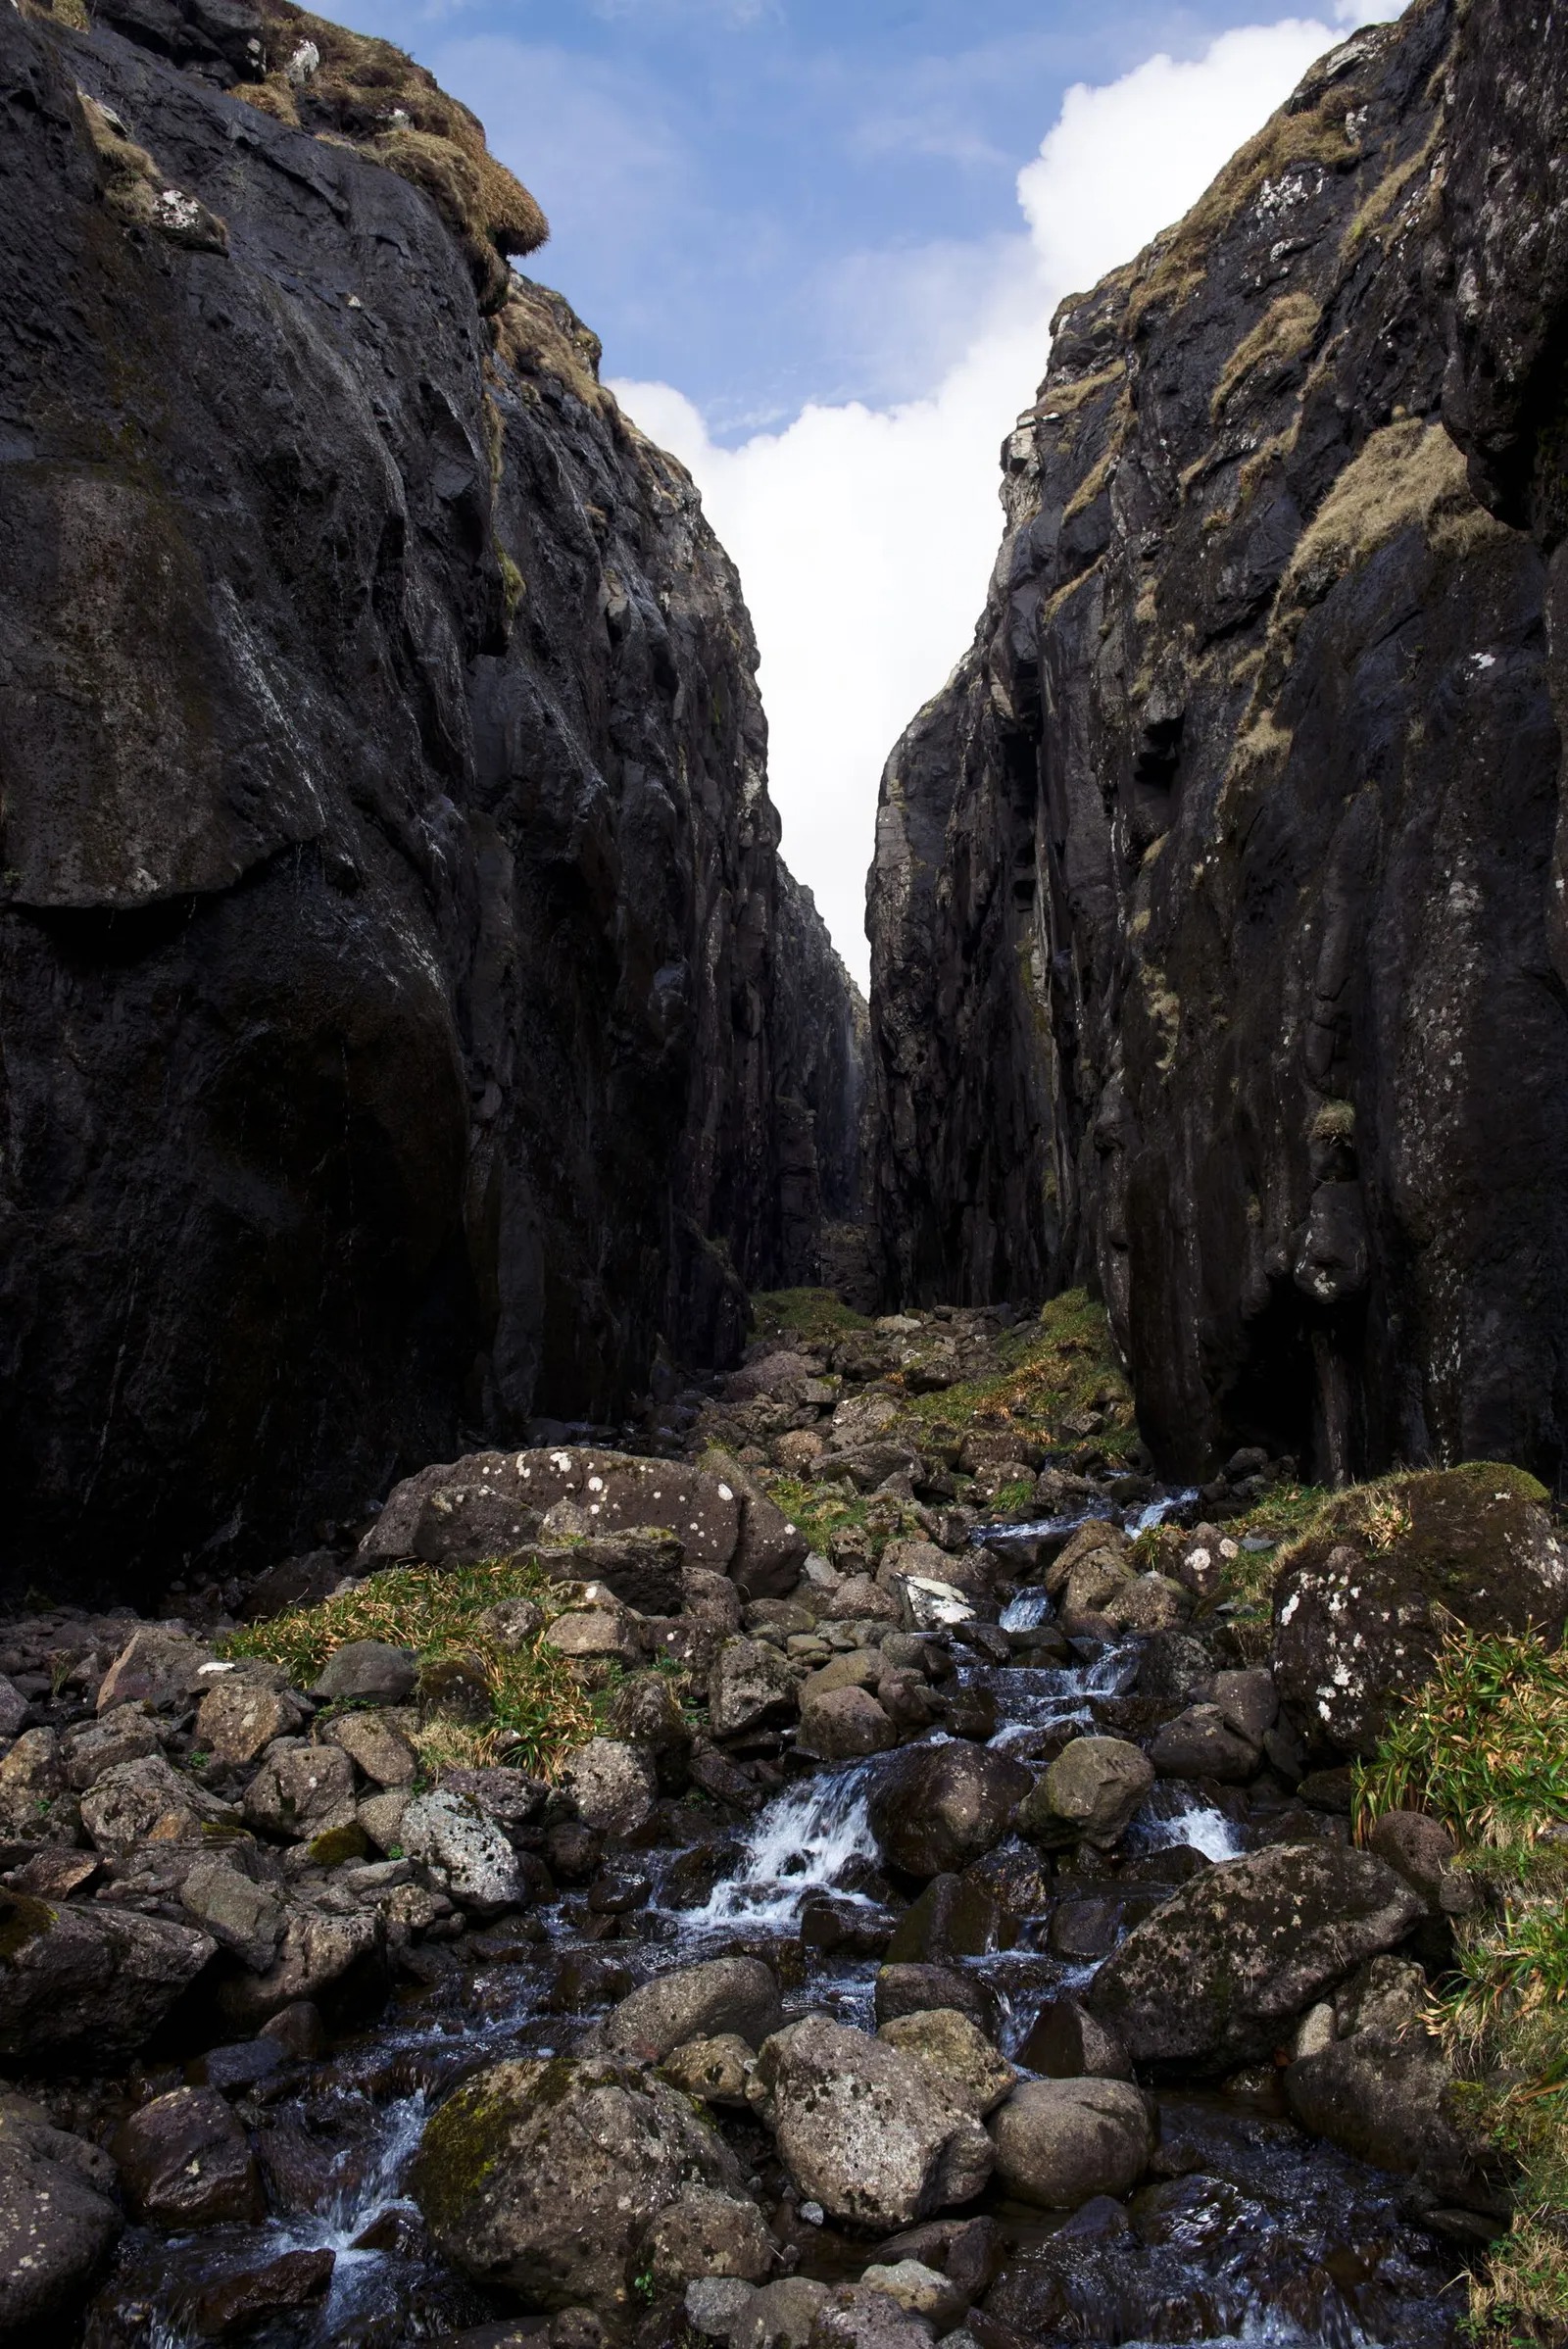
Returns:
(805,1317)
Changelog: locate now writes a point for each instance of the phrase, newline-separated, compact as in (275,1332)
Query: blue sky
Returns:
(821,245)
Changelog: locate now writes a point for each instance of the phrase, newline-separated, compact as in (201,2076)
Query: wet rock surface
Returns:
(718,2024)
(1267,669)
(457,924)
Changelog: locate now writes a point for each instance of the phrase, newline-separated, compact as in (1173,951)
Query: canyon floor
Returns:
(851,1859)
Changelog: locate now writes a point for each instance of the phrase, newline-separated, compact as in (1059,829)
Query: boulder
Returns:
(862,1668)
(158,1667)
(918,1990)
(769,1551)
(1065,2042)
(381,1816)
(367,1672)
(938,1807)
(704,2232)
(1202,1744)
(1215,1978)
(301,1790)
(58,2221)
(1363,1607)
(642,1566)
(722,1996)
(318,1954)
(715,2068)
(920,2290)
(1099,1537)
(489,1505)
(1248,1702)
(1059,2142)
(1421,1849)
(512,1623)
(872,2134)
(781,2315)
(35,1803)
(243,1712)
(148,1802)
(237,2303)
(955,1917)
(860,1599)
(646,1711)
(88,1984)
(1378,2084)
(859,2316)
(245,1917)
(959,2054)
(844,1724)
(1090,1793)
(86,1751)
(752,1686)
(540,2177)
(373,1746)
(613,1784)
(184,2161)
(468,1854)
(14,1707)
(596,1635)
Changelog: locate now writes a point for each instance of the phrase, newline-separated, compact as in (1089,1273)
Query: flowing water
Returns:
(1248,2233)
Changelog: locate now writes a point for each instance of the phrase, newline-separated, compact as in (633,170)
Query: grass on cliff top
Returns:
(1484,1746)
(539,1713)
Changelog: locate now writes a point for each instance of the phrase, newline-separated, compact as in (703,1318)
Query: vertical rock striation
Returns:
(1214,956)
(392,1027)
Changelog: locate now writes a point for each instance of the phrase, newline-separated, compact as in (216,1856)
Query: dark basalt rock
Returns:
(1216,958)
(1217,1975)
(391,918)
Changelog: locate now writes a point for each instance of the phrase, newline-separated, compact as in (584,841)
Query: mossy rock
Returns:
(1365,1598)
(539,2177)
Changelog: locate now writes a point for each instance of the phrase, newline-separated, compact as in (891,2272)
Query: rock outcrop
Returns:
(1215,911)
(393,1018)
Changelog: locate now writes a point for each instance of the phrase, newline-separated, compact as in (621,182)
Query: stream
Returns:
(1248,2231)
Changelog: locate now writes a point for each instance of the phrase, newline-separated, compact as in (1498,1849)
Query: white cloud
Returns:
(864,537)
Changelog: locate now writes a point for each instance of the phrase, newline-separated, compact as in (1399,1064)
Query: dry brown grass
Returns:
(373,96)
(1175,265)
(1282,334)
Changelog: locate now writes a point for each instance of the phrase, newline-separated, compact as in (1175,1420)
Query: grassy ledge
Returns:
(1484,1746)
(539,1712)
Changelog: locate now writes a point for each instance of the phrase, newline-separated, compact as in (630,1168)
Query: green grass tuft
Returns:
(1484,1746)
(538,1711)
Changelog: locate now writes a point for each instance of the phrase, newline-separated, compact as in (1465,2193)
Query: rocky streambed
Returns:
(962,1944)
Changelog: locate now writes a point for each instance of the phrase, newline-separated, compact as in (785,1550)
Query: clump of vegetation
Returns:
(1483,1745)
(1176,264)
(824,1512)
(1281,336)
(539,1712)
(809,1317)
(374,97)
(1053,1372)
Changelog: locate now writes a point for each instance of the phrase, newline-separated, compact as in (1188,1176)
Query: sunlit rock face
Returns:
(392,1037)
(1213,903)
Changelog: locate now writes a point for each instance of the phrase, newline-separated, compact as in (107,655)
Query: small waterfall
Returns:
(1173,1814)
(1027,1609)
(800,1844)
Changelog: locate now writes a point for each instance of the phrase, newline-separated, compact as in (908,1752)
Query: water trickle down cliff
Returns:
(394,1032)
(1211,957)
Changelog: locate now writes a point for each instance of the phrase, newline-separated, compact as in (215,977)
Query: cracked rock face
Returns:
(391,922)
(1215,952)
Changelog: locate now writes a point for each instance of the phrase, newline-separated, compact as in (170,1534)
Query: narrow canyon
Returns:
(688,1663)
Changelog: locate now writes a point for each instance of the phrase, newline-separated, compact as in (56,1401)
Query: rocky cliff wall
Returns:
(392,1036)
(1213,958)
